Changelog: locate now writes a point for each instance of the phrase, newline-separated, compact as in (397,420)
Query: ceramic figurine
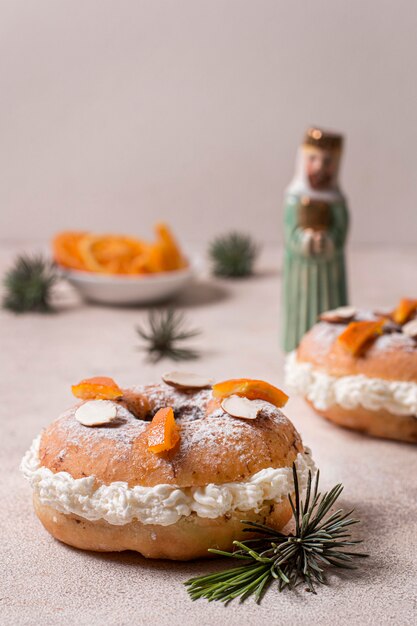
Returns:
(316,225)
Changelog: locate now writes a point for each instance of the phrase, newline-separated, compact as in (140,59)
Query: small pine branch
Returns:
(164,334)
(318,543)
(29,284)
(233,255)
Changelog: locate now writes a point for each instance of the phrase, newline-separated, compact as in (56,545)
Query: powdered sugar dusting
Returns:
(206,434)
(326,333)
(393,341)
(188,406)
(123,432)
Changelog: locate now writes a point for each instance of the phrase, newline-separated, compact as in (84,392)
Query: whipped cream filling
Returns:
(120,504)
(323,391)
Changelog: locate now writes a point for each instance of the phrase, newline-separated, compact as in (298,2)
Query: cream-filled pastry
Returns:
(165,469)
(359,370)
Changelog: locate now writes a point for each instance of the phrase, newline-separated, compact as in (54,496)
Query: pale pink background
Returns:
(114,113)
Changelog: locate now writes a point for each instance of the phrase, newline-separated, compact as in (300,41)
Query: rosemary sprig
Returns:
(28,285)
(318,542)
(233,255)
(166,328)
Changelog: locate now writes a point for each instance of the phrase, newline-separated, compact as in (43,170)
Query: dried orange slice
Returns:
(251,389)
(118,254)
(65,249)
(140,264)
(404,311)
(97,388)
(168,250)
(156,258)
(357,335)
(110,254)
(163,432)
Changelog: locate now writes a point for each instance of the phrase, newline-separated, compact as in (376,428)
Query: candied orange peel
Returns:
(358,334)
(66,251)
(110,253)
(251,389)
(404,311)
(163,432)
(171,254)
(119,254)
(97,388)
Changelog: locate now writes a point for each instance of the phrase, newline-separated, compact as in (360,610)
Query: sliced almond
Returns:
(96,413)
(339,315)
(240,407)
(410,329)
(186,381)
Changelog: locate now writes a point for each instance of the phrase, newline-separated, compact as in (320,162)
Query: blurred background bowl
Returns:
(120,290)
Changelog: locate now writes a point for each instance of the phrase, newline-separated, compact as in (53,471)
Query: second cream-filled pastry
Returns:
(359,369)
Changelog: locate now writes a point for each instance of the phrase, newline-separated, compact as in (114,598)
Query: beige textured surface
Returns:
(44,582)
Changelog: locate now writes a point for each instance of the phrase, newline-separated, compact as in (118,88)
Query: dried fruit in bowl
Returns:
(170,253)
(140,264)
(118,254)
(65,249)
(111,254)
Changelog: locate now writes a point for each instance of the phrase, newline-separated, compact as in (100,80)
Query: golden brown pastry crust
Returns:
(214,447)
(189,538)
(376,423)
(389,357)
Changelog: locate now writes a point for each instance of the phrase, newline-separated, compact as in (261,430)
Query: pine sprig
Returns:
(28,285)
(233,255)
(165,330)
(318,542)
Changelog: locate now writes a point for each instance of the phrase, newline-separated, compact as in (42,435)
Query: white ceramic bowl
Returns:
(124,290)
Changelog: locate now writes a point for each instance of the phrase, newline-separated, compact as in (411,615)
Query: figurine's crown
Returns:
(323,139)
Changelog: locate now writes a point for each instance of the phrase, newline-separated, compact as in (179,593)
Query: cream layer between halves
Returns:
(350,392)
(119,504)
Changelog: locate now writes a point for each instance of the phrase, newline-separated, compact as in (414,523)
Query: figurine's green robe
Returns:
(312,284)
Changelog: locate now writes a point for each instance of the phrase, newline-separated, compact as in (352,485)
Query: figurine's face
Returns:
(321,167)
